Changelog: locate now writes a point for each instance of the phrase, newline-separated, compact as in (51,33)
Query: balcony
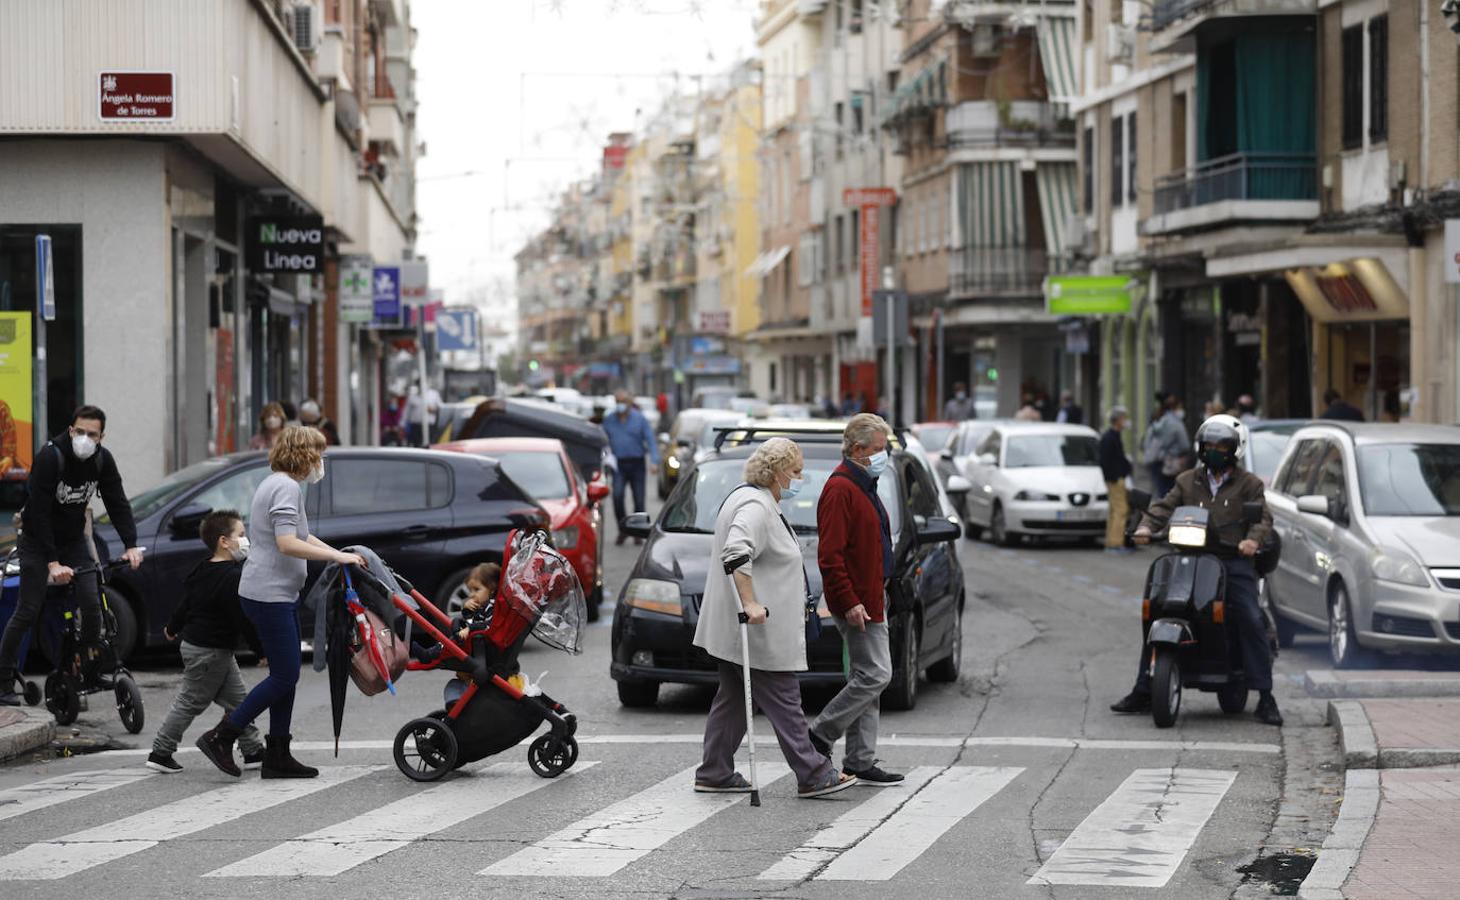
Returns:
(387,128)
(1174,22)
(1004,123)
(998,271)
(1242,187)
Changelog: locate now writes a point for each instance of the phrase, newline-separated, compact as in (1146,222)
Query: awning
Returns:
(990,204)
(756,268)
(766,262)
(1357,290)
(1056,203)
(1057,50)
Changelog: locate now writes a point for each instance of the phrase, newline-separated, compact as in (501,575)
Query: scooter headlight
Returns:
(1187,535)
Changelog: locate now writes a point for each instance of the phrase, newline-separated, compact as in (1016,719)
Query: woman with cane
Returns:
(757,573)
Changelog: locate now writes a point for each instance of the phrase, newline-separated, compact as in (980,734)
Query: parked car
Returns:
(1369,517)
(934,437)
(541,467)
(1036,479)
(721,396)
(658,607)
(692,431)
(956,455)
(430,515)
(1267,441)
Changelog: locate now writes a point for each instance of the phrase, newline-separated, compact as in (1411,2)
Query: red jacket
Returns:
(850,550)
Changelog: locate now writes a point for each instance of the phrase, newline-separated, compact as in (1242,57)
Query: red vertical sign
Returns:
(869,201)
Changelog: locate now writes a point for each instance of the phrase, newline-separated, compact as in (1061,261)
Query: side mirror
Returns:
(597,490)
(1251,513)
(637,525)
(938,530)
(987,459)
(1139,500)
(1316,504)
(946,454)
(187,518)
(957,484)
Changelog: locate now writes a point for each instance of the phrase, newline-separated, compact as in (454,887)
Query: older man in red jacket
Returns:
(855,556)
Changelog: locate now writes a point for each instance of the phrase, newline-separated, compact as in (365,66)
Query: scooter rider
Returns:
(1219,484)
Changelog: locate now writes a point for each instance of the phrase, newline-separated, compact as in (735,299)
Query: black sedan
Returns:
(430,515)
(658,608)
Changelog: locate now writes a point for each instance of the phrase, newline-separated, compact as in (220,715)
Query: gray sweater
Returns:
(278,509)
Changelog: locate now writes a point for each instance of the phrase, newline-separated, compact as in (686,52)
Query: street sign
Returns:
(456,329)
(385,295)
(415,282)
(127,96)
(1087,295)
(357,295)
(290,244)
(45,277)
(1452,251)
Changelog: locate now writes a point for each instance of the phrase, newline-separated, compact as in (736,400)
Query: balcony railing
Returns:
(1167,12)
(1241,176)
(1011,123)
(997,270)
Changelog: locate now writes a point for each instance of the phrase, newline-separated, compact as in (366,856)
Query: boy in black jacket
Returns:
(209,622)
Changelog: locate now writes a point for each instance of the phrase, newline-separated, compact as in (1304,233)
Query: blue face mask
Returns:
(877,463)
(622,409)
(793,488)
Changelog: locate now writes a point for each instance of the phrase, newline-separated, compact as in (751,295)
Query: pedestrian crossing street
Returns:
(1138,835)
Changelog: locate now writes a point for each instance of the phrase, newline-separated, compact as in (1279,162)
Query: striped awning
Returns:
(766,262)
(990,205)
(1057,49)
(1056,203)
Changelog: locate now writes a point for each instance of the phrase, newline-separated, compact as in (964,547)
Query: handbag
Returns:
(393,650)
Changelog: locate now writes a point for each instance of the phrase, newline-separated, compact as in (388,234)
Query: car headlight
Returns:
(653,595)
(1398,567)
(1035,495)
(565,538)
(672,462)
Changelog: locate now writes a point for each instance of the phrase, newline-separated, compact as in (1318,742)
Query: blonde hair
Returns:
(770,459)
(296,450)
(861,430)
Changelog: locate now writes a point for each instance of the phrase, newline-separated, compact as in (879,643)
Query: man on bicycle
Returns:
(68,472)
(1219,484)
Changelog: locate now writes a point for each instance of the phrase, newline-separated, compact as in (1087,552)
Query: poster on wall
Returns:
(16,421)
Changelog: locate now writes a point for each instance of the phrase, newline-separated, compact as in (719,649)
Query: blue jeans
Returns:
(277,625)
(631,472)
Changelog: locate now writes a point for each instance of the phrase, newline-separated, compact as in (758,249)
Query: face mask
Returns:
(793,488)
(1216,459)
(622,409)
(961,395)
(273,423)
(876,463)
(240,552)
(1181,414)
(83,446)
(316,475)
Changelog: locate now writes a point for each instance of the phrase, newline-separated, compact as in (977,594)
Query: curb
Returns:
(1361,750)
(1340,851)
(37,729)
(1326,685)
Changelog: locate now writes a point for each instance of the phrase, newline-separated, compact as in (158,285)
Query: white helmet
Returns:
(1222,428)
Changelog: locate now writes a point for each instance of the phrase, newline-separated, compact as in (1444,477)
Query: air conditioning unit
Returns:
(302,20)
(1120,43)
(1077,236)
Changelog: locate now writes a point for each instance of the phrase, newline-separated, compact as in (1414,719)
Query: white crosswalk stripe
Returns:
(92,847)
(617,835)
(50,791)
(1139,836)
(344,845)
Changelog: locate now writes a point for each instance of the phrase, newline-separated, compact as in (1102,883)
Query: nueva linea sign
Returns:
(285,244)
(1087,295)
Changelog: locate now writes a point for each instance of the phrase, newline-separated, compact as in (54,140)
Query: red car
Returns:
(541,467)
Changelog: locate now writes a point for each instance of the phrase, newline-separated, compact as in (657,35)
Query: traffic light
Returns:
(533,365)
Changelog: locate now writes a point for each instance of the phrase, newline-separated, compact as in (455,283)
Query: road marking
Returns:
(345,845)
(946,801)
(606,841)
(18,801)
(104,843)
(1139,836)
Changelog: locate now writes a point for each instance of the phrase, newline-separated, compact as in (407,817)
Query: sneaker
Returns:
(835,782)
(820,743)
(1134,702)
(735,784)
(875,777)
(1267,712)
(253,759)
(163,762)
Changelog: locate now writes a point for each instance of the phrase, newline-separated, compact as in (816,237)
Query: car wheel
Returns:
(1343,644)
(946,669)
(971,531)
(999,533)
(638,694)
(902,692)
(124,641)
(452,594)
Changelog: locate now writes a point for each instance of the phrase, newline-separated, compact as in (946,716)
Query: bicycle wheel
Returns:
(63,697)
(129,704)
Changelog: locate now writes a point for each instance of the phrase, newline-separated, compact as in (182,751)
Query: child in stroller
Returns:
(476,612)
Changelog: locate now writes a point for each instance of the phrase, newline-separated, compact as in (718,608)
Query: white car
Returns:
(1036,479)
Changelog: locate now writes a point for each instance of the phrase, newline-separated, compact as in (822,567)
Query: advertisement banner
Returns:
(17,439)
(415,282)
(386,296)
(357,299)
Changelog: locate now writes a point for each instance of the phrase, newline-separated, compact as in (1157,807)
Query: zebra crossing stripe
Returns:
(111,841)
(18,801)
(345,845)
(945,801)
(603,843)
(1139,836)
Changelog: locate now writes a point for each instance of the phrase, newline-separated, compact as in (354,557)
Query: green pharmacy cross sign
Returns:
(1087,295)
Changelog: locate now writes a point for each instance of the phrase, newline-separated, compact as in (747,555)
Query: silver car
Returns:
(1369,516)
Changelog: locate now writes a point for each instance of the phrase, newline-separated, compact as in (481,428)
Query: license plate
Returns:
(1075,515)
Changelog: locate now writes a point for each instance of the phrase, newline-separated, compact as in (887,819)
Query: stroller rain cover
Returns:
(539,585)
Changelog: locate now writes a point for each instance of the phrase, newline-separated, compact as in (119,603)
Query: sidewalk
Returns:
(1399,826)
(23,729)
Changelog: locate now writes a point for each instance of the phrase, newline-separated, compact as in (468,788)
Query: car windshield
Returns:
(1051,450)
(1410,479)
(539,473)
(174,485)
(934,435)
(1265,451)
(693,510)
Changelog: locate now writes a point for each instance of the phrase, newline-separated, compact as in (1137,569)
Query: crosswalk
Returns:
(1138,835)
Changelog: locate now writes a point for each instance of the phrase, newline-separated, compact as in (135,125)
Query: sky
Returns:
(517,98)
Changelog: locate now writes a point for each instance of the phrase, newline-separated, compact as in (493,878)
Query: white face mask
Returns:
(240,552)
(316,475)
(793,488)
(273,423)
(83,446)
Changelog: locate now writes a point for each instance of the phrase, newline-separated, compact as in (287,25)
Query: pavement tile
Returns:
(1418,723)
(1410,852)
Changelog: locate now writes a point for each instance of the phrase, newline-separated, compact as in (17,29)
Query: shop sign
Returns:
(17,441)
(869,201)
(415,282)
(289,244)
(356,292)
(711,365)
(125,96)
(1452,251)
(713,321)
(1087,295)
(385,295)
(456,329)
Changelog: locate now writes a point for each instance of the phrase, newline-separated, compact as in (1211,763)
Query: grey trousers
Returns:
(853,711)
(210,675)
(778,696)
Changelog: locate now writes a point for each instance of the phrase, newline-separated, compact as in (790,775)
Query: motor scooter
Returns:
(1189,640)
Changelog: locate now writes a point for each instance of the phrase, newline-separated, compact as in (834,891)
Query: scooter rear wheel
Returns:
(1166,688)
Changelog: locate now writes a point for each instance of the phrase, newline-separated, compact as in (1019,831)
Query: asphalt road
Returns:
(1022,784)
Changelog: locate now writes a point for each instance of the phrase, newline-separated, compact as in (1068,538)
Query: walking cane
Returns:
(749,706)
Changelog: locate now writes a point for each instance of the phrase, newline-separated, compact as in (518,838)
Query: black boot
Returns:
(1134,702)
(217,745)
(279,764)
(9,696)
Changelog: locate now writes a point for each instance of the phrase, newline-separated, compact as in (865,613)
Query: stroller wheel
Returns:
(129,704)
(32,693)
(550,756)
(425,749)
(63,697)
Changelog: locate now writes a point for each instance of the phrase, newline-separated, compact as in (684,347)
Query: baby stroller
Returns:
(485,712)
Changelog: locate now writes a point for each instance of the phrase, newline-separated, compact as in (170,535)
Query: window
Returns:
(922,496)
(1117,11)
(1178,133)
(1130,158)
(360,486)
(805,260)
(234,492)
(541,475)
(841,125)
(1379,78)
(1298,474)
(839,250)
(1330,482)
(1089,169)
(1353,87)
(854,257)
(1117,161)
